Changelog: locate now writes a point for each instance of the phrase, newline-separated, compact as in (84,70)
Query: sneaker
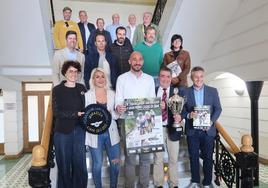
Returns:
(193,185)
(206,186)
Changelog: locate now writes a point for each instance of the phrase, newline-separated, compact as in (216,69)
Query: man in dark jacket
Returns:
(86,28)
(121,50)
(100,29)
(103,59)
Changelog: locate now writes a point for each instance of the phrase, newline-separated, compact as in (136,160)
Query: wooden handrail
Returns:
(40,152)
(48,126)
(227,138)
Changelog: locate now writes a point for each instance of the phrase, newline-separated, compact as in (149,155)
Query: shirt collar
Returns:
(196,89)
(131,73)
(149,44)
(167,89)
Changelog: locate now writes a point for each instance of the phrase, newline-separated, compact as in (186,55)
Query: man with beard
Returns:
(62,26)
(121,50)
(65,54)
(152,53)
(132,85)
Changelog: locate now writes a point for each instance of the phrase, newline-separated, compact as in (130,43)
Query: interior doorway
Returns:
(35,102)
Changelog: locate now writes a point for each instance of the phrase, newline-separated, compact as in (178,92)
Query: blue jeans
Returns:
(113,152)
(71,158)
(200,141)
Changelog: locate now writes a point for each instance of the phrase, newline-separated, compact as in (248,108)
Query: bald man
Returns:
(112,28)
(130,85)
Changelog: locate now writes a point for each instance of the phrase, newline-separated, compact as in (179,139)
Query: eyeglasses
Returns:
(72,71)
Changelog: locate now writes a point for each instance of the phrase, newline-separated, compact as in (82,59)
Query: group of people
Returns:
(105,67)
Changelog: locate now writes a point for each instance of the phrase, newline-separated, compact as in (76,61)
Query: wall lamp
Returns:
(239,92)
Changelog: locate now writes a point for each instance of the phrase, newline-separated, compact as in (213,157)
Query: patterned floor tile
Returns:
(17,176)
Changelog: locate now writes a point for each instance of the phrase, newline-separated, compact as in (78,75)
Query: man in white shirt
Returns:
(131,27)
(135,84)
(86,28)
(68,53)
(171,135)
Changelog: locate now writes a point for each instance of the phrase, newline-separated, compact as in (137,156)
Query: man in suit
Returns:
(171,136)
(103,59)
(200,139)
(86,28)
(68,53)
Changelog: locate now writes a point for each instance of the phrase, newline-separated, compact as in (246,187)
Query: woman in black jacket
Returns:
(69,137)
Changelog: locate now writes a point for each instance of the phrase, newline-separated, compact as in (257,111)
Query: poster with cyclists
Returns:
(143,126)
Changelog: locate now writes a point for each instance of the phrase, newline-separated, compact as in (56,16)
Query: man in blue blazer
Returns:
(103,59)
(200,139)
(86,29)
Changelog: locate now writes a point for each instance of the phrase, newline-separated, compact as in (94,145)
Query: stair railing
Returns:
(43,154)
(158,11)
(232,165)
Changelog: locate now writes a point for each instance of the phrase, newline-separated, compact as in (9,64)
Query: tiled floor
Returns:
(13,173)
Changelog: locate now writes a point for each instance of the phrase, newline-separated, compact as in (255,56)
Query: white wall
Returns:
(200,23)
(103,10)
(2,134)
(236,117)
(242,46)
(26,47)
(12,128)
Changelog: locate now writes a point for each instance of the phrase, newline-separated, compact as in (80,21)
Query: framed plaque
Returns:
(97,119)
(143,126)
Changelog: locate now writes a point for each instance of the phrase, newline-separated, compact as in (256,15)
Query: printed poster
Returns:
(202,121)
(143,126)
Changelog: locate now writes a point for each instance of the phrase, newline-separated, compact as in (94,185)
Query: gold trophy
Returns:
(175,104)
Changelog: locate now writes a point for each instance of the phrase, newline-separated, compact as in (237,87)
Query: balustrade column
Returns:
(254,90)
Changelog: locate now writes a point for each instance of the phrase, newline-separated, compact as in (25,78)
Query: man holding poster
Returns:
(135,84)
(201,101)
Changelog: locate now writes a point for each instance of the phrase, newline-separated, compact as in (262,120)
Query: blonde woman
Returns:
(100,93)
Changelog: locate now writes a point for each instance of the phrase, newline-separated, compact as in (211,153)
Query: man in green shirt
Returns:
(152,53)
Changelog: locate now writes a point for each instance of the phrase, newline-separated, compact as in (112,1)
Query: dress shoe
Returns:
(193,185)
(175,187)
(160,187)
